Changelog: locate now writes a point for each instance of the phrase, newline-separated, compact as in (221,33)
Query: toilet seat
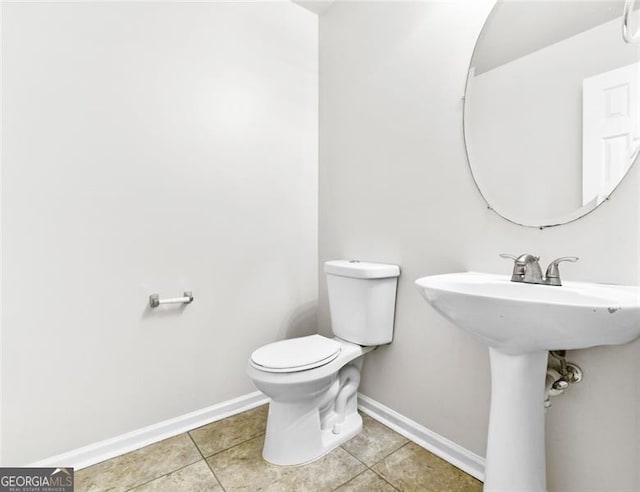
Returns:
(296,354)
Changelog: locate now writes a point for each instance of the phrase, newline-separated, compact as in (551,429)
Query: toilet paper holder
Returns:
(155,301)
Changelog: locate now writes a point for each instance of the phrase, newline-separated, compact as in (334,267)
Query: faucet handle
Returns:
(553,273)
(527,258)
(520,264)
(518,269)
(523,258)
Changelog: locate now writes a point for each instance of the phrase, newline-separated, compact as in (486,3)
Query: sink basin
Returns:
(520,323)
(517,318)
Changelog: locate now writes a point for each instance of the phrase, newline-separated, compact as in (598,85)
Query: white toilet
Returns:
(313,381)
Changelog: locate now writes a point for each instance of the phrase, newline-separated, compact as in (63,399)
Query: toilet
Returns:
(313,381)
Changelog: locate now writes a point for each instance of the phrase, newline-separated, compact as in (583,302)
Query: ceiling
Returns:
(315,6)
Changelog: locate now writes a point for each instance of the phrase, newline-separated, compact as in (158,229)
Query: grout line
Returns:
(390,453)
(384,458)
(206,462)
(406,441)
(160,476)
(195,444)
(384,479)
(221,421)
(456,455)
(349,479)
(215,476)
(370,467)
(234,446)
(351,454)
(363,472)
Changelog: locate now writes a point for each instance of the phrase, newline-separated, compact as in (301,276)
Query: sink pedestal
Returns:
(515,447)
(528,320)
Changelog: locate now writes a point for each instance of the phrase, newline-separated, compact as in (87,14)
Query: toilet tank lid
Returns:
(361,269)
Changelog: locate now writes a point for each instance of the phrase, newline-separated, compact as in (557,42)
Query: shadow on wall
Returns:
(164,311)
(301,322)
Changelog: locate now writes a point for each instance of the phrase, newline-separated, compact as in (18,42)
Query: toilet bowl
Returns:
(304,422)
(312,381)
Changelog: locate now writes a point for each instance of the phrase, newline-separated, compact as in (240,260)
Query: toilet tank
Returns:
(362,300)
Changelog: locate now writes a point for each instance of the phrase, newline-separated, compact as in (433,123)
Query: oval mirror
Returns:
(551,119)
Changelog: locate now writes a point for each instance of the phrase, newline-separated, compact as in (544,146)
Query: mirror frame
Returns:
(555,222)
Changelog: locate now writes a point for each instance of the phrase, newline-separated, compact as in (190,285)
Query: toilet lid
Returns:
(296,354)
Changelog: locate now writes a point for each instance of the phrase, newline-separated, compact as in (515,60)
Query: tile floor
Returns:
(226,456)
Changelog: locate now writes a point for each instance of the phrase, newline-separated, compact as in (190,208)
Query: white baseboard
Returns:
(100,451)
(124,443)
(449,451)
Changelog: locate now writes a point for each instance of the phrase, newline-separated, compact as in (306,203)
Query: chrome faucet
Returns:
(526,269)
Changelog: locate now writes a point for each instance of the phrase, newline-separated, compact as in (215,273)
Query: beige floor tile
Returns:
(223,434)
(138,467)
(412,468)
(366,482)
(192,478)
(374,442)
(242,468)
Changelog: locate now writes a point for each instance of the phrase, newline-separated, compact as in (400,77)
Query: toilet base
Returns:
(302,430)
(310,452)
(311,412)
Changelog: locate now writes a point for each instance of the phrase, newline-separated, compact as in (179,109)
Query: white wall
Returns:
(150,147)
(1,241)
(395,187)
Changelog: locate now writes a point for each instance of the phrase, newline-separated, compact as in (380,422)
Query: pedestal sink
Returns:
(520,323)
